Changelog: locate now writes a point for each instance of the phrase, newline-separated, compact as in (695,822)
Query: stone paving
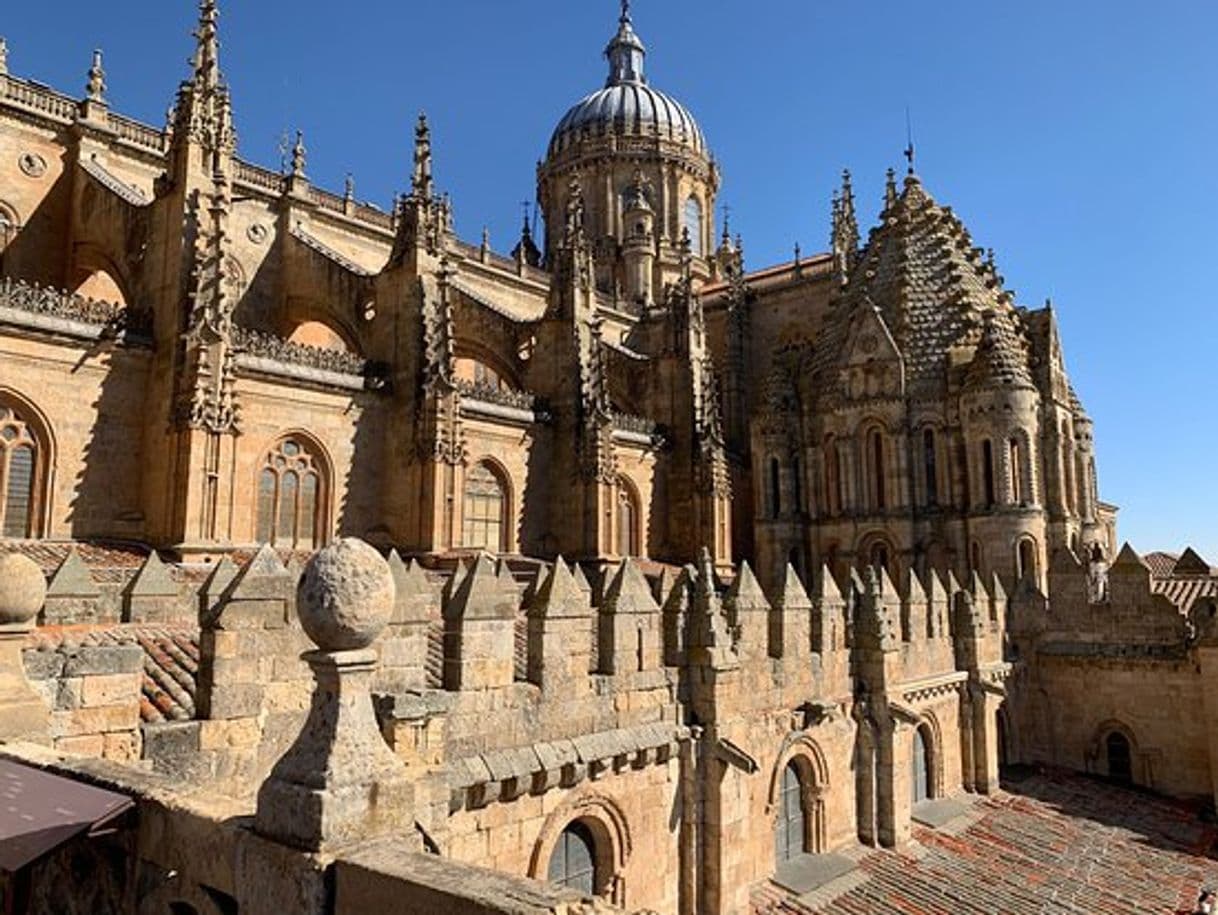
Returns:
(1048,843)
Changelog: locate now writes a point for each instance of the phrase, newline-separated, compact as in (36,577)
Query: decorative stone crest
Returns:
(32,165)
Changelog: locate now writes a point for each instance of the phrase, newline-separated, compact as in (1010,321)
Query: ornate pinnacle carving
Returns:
(845,236)
(890,191)
(349,188)
(421,184)
(299,156)
(574,235)
(3,56)
(95,88)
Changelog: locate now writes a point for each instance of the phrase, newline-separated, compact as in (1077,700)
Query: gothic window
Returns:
(20,474)
(921,767)
(573,861)
(1120,757)
(930,465)
(485,515)
(290,501)
(775,489)
(627,520)
(987,472)
(693,224)
(789,826)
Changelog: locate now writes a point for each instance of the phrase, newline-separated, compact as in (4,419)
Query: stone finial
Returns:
(339,783)
(73,579)
(23,715)
(413,593)
(299,156)
(23,589)
(710,640)
(349,188)
(95,88)
(421,184)
(3,56)
(346,596)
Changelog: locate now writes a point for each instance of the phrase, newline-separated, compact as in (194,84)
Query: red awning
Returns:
(40,812)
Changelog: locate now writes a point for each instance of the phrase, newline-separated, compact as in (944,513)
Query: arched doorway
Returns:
(921,775)
(790,824)
(573,861)
(1120,758)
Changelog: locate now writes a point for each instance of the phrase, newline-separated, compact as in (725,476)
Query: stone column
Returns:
(23,714)
(339,782)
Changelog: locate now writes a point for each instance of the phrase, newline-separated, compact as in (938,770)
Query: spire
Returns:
(421,184)
(845,236)
(526,251)
(625,52)
(95,88)
(207,51)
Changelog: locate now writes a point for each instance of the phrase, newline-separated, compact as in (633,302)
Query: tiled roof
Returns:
(171,662)
(1048,844)
(108,563)
(1160,563)
(934,291)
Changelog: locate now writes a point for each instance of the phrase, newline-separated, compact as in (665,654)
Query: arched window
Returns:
(875,458)
(693,225)
(319,335)
(921,775)
(1120,758)
(291,497)
(833,478)
(797,476)
(1025,559)
(930,467)
(573,861)
(987,471)
(485,510)
(1017,493)
(790,830)
(775,489)
(628,539)
(20,476)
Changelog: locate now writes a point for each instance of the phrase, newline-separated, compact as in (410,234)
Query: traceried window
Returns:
(484,523)
(693,225)
(290,498)
(573,861)
(627,520)
(19,475)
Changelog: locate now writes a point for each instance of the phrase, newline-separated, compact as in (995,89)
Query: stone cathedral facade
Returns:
(699,569)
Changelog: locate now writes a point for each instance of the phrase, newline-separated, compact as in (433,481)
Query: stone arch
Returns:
(322,335)
(932,740)
(610,830)
(628,523)
(1100,752)
(470,354)
(875,459)
(1027,558)
(269,503)
(99,277)
(478,514)
(802,752)
(10,225)
(31,428)
(875,548)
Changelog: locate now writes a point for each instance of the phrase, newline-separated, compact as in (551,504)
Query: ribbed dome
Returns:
(628,110)
(627,106)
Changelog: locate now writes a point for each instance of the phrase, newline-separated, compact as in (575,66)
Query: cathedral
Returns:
(698,571)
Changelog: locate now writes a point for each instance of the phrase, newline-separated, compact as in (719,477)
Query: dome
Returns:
(627,106)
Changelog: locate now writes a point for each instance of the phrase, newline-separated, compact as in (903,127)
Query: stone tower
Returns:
(646,177)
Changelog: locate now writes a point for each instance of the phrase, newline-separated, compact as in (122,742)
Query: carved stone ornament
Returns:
(257,233)
(32,164)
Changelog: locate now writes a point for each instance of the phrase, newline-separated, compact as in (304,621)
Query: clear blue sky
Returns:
(1078,139)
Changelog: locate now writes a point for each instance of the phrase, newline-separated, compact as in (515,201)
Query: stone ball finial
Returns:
(23,589)
(346,596)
